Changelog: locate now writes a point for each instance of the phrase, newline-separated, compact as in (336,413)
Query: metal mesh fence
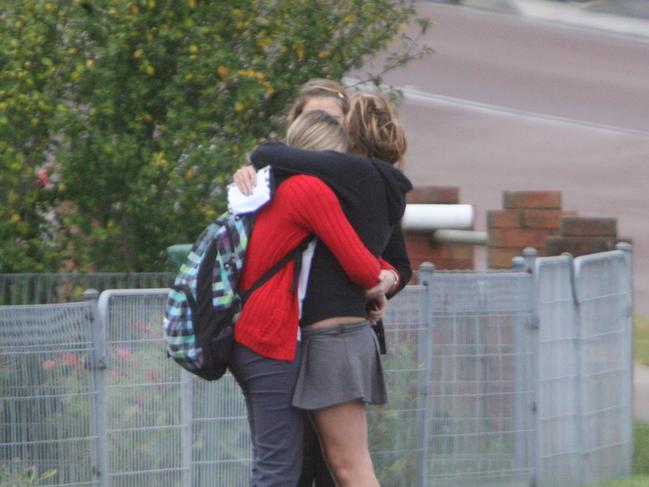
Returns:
(481,423)
(47,391)
(46,288)
(558,372)
(494,378)
(606,368)
(395,429)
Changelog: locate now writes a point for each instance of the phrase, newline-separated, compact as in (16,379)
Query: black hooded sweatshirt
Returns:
(372,196)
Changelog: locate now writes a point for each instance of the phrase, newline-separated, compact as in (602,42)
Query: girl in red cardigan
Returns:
(266,355)
(334,403)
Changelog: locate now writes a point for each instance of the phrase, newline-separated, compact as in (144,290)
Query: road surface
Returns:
(507,103)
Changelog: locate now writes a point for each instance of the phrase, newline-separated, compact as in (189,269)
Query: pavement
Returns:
(641,393)
(624,17)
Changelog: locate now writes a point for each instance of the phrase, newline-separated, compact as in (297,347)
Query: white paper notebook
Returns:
(239,203)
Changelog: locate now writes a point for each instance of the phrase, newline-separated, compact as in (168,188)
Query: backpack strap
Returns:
(293,254)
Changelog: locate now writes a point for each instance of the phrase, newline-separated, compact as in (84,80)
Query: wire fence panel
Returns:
(144,393)
(603,289)
(221,435)
(559,408)
(481,386)
(395,429)
(47,391)
(50,288)
(494,378)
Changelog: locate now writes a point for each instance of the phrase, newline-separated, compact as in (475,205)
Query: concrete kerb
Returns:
(641,392)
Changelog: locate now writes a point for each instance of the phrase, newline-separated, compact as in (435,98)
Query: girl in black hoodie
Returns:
(372,195)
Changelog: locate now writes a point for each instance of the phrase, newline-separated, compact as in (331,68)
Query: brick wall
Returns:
(420,245)
(527,219)
(584,235)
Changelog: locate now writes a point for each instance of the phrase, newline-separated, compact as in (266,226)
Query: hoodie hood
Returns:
(396,186)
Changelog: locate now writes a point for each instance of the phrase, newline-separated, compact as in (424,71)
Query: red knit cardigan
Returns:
(302,205)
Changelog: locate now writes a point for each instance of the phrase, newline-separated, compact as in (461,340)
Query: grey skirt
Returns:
(339,364)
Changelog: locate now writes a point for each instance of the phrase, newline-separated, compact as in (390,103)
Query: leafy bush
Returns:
(17,475)
(121,121)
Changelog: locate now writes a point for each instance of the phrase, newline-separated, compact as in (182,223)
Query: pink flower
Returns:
(122,352)
(42,179)
(70,359)
(151,375)
(48,364)
(139,326)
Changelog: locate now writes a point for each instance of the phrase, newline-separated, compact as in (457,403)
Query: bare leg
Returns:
(343,433)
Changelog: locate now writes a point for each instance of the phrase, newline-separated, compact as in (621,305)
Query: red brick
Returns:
(550,219)
(501,257)
(434,195)
(457,264)
(550,200)
(419,245)
(578,245)
(588,227)
(504,218)
(517,237)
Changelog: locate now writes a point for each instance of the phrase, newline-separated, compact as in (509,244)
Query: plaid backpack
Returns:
(204,304)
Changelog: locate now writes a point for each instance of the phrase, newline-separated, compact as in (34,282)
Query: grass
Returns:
(640,477)
(641,450)
(641,342)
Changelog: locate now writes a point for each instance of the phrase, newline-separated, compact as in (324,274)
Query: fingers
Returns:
(246,179)
(374,292)
(376,308)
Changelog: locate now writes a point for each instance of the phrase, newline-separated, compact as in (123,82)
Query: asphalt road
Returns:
(506,103)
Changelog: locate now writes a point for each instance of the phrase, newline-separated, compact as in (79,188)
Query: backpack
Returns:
(204,304)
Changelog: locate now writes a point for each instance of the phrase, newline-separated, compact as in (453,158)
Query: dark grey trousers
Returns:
(276,427)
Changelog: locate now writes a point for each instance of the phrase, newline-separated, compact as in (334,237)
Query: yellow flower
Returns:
(90,63)
(193,49)
(138,53)
(150,70)
(239,107)
(299,49)
(15,218)
(191,3)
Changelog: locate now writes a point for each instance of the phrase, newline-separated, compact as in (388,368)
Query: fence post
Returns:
(529,330)
(521,409)
(424,355)
(98,366)
(627,248)
(186,418)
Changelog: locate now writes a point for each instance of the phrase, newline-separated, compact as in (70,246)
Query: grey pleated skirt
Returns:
(339,364)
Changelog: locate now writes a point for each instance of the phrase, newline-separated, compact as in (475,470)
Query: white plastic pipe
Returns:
(432,217)
(469,237)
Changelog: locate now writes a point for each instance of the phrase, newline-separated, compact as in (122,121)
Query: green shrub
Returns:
(17,475)
(121,121)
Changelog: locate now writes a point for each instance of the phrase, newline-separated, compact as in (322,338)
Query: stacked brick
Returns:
(420,245)
(527,220)
(581,236)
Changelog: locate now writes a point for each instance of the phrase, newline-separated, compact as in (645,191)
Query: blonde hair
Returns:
(374,129)
(317,130)
(315,88)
